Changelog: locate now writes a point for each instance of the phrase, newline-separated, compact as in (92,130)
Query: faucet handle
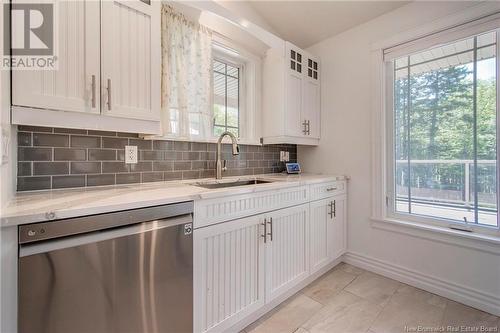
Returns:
(224,167)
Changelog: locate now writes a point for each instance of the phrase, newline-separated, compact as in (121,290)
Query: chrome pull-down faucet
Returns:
(236,151)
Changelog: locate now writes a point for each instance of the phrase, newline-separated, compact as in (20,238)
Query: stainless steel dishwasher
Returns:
(127,271)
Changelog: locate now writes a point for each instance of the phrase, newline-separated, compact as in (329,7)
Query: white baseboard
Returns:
(460,293)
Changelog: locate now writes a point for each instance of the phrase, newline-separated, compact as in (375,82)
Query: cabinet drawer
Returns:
(325,190)
(212,211)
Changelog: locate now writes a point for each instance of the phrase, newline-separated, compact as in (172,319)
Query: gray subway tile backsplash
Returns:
(68,181)
(50,140)
(50,168)
(70,154)
(128,178)
(85,141)
(85,167)
(34,154)
(99,180)
(63,158)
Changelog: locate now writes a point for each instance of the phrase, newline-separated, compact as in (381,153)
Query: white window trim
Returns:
(250,88)
(382,215)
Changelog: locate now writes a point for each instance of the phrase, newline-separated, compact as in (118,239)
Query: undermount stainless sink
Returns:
(213,185)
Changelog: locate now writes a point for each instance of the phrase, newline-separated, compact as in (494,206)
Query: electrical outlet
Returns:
(130,154)
(284,156)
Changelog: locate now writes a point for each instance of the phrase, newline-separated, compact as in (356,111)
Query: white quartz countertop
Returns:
(38,206)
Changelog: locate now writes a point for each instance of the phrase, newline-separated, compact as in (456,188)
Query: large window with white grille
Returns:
(444,131)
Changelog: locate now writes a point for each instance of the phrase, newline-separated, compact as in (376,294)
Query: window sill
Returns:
(473,240)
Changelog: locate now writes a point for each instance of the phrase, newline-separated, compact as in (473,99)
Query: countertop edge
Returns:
(19,218)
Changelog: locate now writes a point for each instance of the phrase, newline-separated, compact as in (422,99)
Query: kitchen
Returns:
(226,166)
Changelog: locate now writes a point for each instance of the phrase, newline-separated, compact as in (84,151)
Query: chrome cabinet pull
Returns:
(93,92)
(331,189)
(271,228)
(265,231)
(109,94)
(308,127)
(330,205)
(304,123)
(335,208)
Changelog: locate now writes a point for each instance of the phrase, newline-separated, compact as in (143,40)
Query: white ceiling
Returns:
(305,23)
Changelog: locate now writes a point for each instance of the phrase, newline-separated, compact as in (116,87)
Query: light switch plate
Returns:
(130,154)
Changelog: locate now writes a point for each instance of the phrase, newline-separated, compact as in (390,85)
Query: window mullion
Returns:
(497,71)
(474,110)
(408,135)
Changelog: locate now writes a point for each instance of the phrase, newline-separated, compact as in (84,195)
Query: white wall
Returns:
(345,148)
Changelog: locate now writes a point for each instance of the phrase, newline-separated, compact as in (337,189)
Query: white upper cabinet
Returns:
(74,86)
(291,97)
(311,100)
(130,59)
(108,75)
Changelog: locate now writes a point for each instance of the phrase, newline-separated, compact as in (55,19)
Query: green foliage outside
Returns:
(441,124)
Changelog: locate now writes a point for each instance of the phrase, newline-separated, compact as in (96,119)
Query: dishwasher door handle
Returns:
(104,235)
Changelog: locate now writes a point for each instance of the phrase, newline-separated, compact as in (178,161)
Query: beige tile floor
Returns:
(348,299)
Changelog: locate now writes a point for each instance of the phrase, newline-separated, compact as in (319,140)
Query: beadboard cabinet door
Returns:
(287,249)
(321,234)
(339,242)
(229,265)
(130,56)
(75,85)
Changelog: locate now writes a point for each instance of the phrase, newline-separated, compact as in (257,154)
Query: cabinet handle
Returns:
(109,94)
(271,228)
(331,209)
(265,231)
(93,92)
(331,189)
(335,208)
(304,123)
(308,127)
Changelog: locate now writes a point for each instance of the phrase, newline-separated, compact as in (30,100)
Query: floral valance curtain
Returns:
(186,76)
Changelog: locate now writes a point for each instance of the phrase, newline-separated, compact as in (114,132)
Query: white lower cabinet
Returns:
(242,265)
(321,235)
(229,267)
(287,249)
(327,231)
(339,242)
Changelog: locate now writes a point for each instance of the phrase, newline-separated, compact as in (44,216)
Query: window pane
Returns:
(226,98)
(218,130)
(445,131)
(232,117)
(219,67)
(219,115)
(233,71)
